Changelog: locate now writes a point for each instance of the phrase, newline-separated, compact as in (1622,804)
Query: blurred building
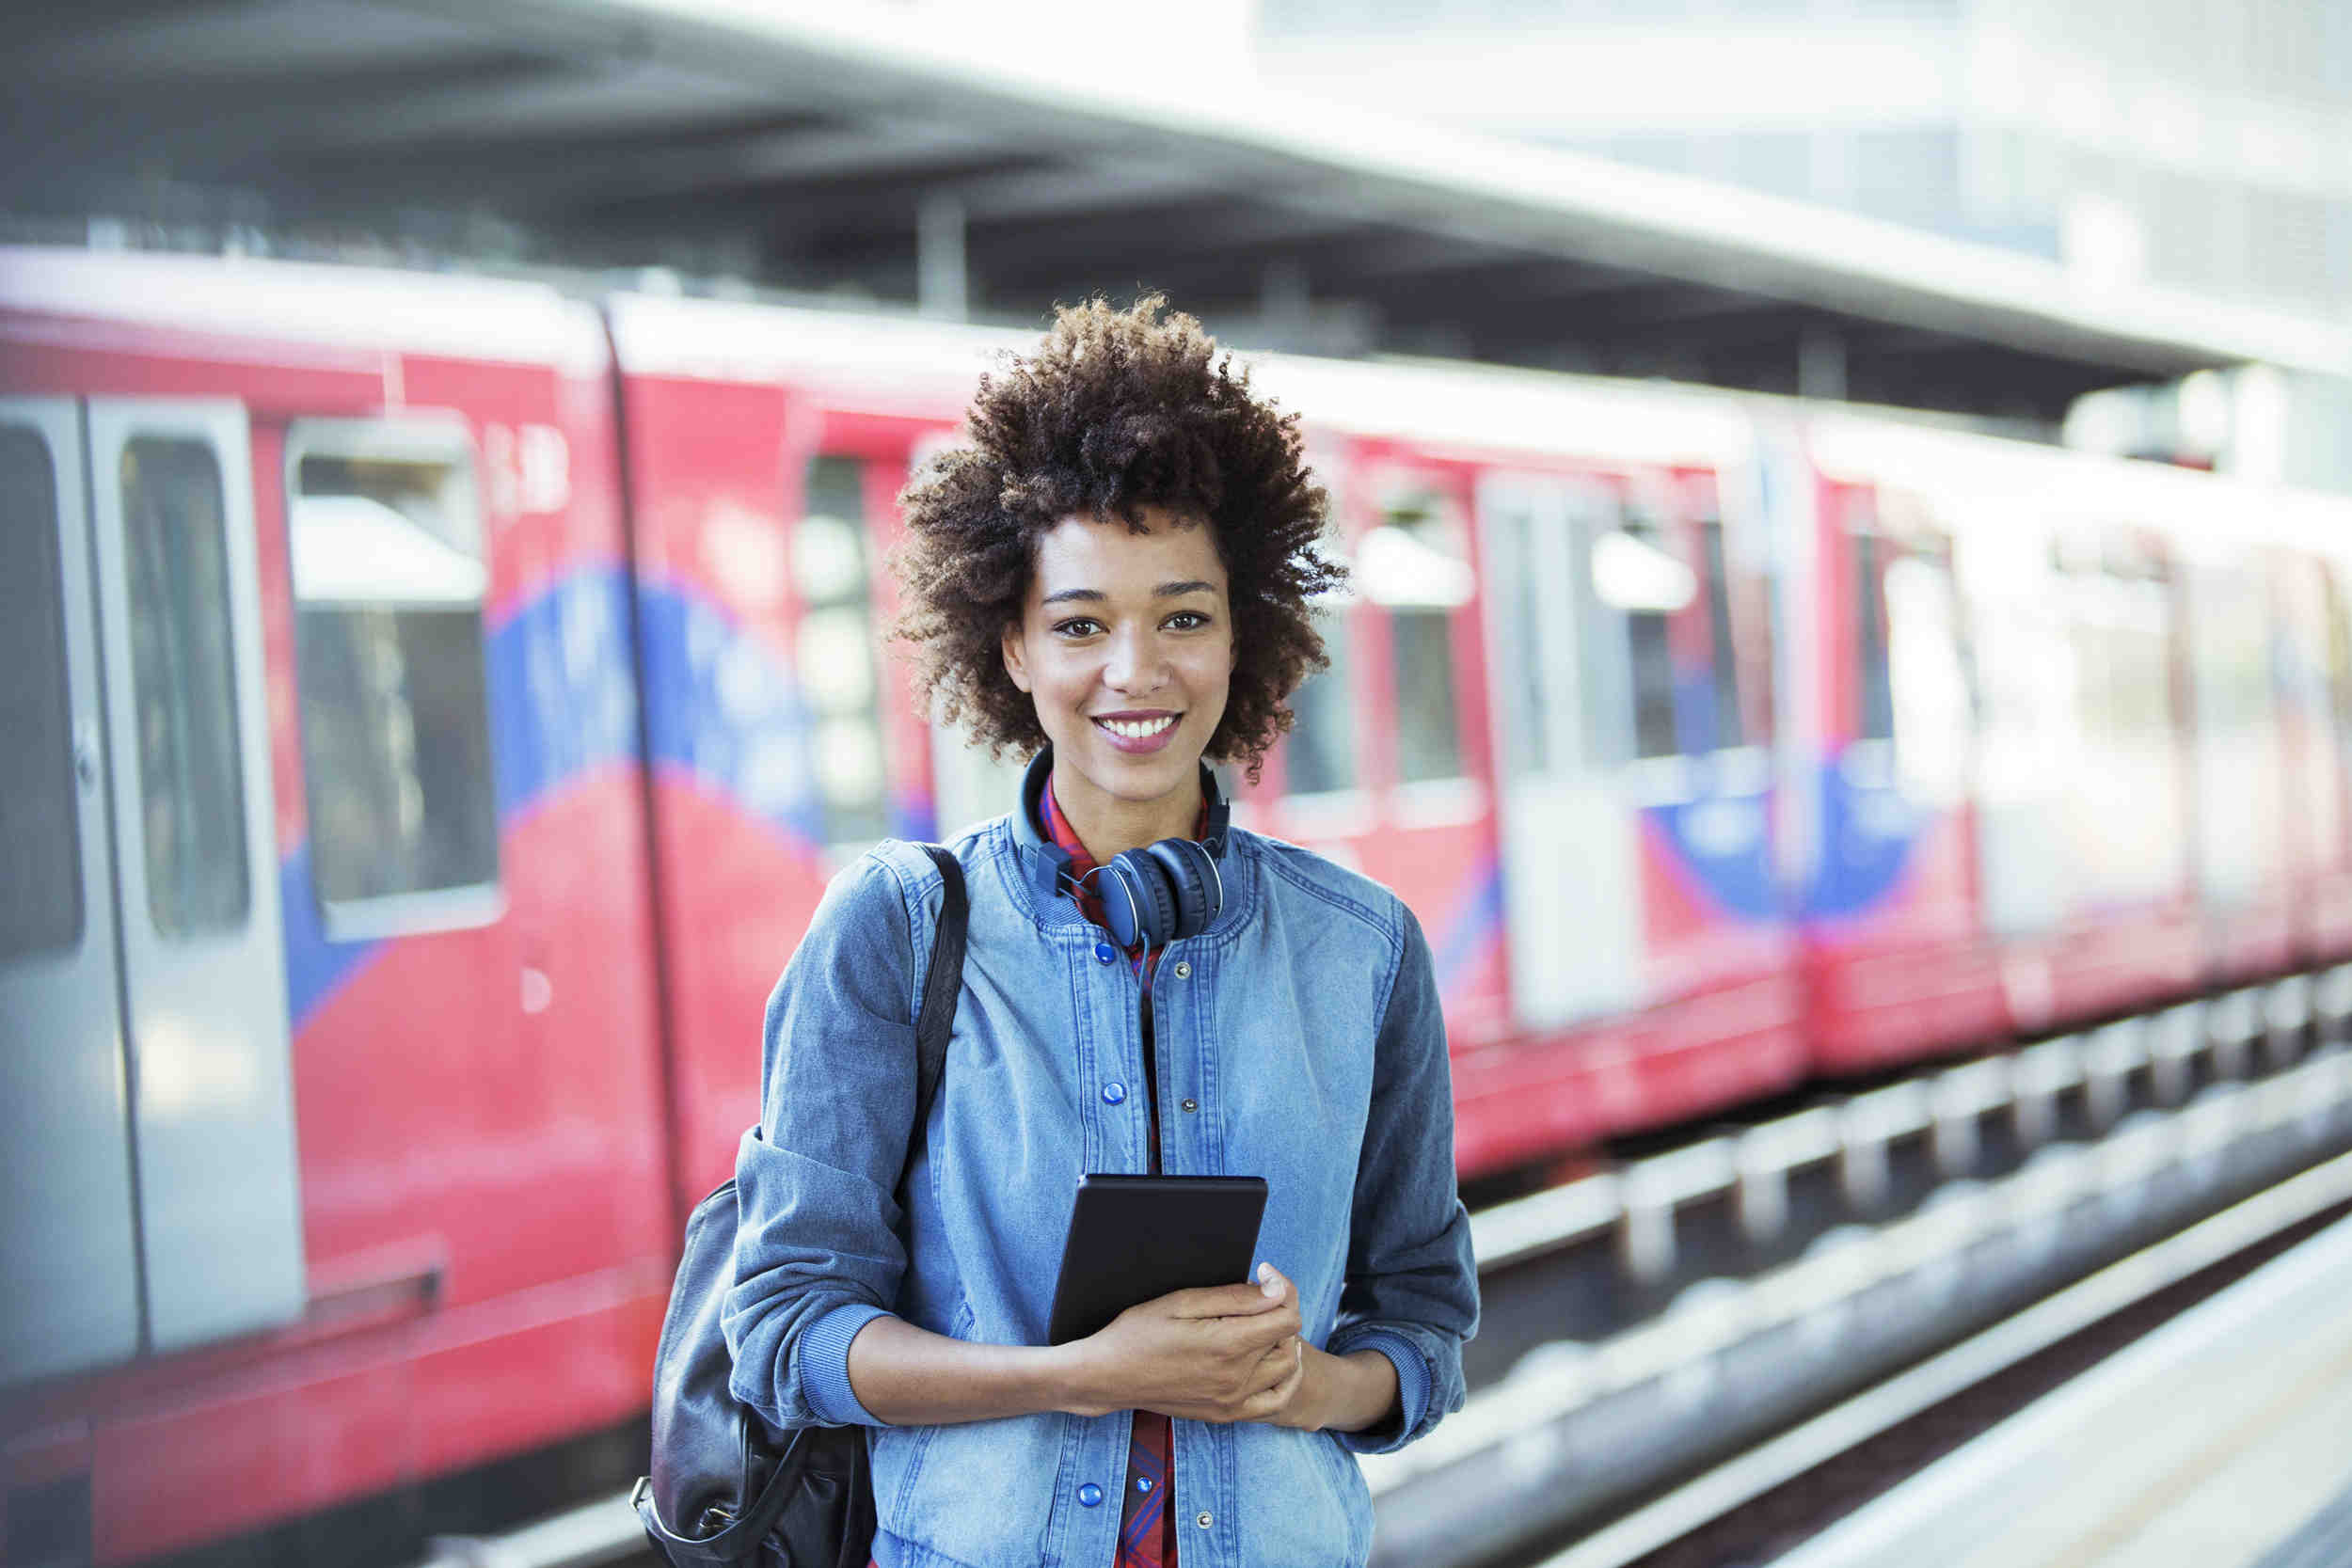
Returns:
(2195,145)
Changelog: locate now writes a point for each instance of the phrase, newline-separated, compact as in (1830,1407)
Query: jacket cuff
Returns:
(1412,1392)
(824,1352)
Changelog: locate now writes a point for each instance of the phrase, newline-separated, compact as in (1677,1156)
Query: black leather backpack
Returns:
(727,1488)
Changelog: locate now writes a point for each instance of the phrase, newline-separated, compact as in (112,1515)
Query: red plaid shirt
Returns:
(1146,1529)
(1147,1524)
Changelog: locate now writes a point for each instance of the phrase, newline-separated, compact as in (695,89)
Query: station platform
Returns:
(2221,1440)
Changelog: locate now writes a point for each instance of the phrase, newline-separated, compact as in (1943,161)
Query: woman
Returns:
(1115,575)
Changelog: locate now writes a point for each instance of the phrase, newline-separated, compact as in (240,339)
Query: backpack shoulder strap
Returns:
(942,984)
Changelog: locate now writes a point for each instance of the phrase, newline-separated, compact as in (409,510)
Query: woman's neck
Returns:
(1109,826)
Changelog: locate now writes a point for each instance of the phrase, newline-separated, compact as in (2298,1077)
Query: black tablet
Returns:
(1134,1238)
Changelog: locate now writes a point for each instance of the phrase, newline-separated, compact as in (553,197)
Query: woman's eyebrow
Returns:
(1165,591)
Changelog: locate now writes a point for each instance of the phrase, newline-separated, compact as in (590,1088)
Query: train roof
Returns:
(1991,478)
(903,364)
(312,306)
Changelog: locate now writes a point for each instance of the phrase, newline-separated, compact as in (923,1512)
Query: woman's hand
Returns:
(1347,1393)
(1229,1352)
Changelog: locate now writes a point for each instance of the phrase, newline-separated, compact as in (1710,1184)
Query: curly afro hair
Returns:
(1117,410)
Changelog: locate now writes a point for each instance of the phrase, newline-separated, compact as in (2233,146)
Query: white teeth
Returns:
(1138,729)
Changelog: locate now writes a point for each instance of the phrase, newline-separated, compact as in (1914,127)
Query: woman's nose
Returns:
(1136,662)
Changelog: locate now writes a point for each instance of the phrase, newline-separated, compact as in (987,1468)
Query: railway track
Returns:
(1700,1356)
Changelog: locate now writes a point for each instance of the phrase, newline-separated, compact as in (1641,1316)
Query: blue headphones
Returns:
(1163,892)
(1159,894)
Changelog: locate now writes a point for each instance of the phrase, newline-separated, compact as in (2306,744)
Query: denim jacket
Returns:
(1298,1038)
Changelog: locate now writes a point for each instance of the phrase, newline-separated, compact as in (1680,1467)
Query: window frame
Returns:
(416,437)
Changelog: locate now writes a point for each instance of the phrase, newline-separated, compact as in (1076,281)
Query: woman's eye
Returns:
(1188,620)
(1080,625)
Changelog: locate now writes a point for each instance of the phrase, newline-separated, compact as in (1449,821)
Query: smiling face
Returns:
(1125,644)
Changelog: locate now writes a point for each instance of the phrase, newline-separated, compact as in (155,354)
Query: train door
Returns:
(67,1252)
(148,1114)
(1561,696)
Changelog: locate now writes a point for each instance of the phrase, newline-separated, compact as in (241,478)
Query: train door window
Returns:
(1518,584)
(1876,720)
(2340,666)
(1929,686)
(1320,755)
(2306,679)
(40,858)
(1416,564)
(2341,660)
(2128,834)
(1639,573)
(386,540)
(191,787)
(834,651)
(1726,726)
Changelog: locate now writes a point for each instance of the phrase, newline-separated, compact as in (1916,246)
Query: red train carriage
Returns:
(2126,686)
(328,729)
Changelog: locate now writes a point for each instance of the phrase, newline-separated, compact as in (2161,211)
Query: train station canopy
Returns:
(862,153)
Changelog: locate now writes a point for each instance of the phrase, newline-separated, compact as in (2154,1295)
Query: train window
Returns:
(1638,572)
(836,651)
(1728,730)
(1416,565)
(40,860)
(388,584)
(191,784)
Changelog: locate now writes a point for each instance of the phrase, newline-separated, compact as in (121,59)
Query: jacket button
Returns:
(1205,1520)
(1089,1495)
(1104,952)
(1184,969)
(1192,1104)
(1114,1092)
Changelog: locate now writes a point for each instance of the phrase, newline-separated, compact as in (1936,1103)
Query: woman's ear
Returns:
(1017,655)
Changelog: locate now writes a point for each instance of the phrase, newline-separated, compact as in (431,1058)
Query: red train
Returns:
(435,706)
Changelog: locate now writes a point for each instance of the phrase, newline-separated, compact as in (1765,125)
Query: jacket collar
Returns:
(1044,862)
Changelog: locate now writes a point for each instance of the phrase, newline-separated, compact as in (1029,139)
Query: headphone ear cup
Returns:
(1149,913)
(1190,873)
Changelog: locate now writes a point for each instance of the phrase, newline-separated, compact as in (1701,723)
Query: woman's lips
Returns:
(1157,731)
